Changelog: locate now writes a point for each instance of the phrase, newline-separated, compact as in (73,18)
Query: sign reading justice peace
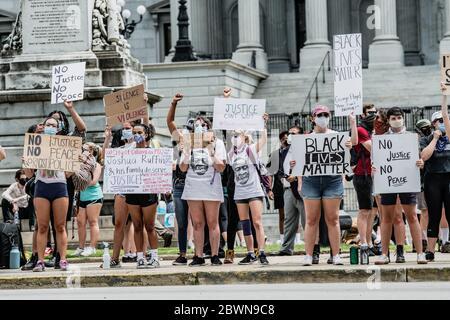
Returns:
(235,114)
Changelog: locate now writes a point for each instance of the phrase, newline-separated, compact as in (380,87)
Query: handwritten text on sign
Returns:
(234,114)
(68,82)
(125,105)
(394,157)
(52,152)
(445,72)
(321,154)
(348,95)
(138,170)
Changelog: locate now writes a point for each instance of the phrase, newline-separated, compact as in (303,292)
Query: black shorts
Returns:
(142,200)
(278,195)
(84,204)
(246,201)
(390,199)
(363,187)
(50,191)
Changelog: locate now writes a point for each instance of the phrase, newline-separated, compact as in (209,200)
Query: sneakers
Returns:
(63,265)
(421,258)
(215,261)
(141,264)
(263,259)
(180,261)
(330,259)
(383,259)
(40,267)
(30,263)
(400,255)
(337,261)
(153,263)
(197,262)
(89,251)
(307,261)
(445,248)
(114,264)
(429,256)
(129,257)
(78,252)
(249,259)
(229,257)
(167,239)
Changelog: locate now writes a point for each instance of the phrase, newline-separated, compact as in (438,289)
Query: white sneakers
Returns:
(88,251)
(307,261)
(78,252)
(337,261)
(383,259)
(153,263)
(421,258)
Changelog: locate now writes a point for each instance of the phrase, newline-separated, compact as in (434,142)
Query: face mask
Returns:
(426,132)
(50,131)
(22,181)
(199,129)
(289,139)
(127,134)
(237,141)
(442,128)
(396,124)
(138,138)
(322,122)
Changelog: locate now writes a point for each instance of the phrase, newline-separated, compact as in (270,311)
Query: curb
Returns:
(261,275)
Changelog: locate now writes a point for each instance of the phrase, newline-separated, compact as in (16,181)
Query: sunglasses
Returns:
(323,114)
(441,120)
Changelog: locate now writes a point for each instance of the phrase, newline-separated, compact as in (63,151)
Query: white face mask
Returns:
(396,124)
(236,141)
(322,122)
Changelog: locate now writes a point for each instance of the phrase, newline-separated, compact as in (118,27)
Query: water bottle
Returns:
(14,257)
(364,254)
(354,255)
(161,210)
(106,256)
(16,218)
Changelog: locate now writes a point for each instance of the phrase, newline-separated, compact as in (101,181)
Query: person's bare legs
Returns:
(312,211)
(212,219)
(138,224)
(386,227)
(399,225)
(243,211)
(414,226)
(81,223)
(121,216)
(424,223)
(256,208)
(149,214)
(196,211)
(93,213)
(60,207)
(331,211)
(43,218)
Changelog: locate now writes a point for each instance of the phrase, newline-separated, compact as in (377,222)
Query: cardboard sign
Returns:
(125,105)
(321,154)
(348,97)
(145,170)
(68,82)
(445,72)
(197,140)
(235,114)
(394,157)
(43,151)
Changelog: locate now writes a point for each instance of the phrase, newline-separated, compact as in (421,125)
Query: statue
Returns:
(115,22)
(13,43)
(99,33)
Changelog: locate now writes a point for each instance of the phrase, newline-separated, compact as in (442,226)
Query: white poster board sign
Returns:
(68,82)
(235,114)
(394,156)
(321,154)
(131,171)
(348,96)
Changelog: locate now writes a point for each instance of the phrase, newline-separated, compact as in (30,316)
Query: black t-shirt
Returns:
(439,161)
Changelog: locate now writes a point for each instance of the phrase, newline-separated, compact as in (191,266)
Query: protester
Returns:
(326,191)
(15,199)
(436,154)
(396,120)
(91,201)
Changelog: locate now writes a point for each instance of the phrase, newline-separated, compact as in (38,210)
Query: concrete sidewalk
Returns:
(280,270)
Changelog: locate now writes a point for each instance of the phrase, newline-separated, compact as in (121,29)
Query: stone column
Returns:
(408,30)
(250,51)
(386,50)
(317,44)
(277,42)
(173,29)
(215,29)
(198,19)
(444,46)
(340,23)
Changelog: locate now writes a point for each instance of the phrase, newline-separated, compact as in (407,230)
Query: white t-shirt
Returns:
(246,178)
(203,182)
(51,176)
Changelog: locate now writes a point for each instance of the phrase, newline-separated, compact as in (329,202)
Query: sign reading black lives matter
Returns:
(321,154)
(68,82)
(348,96)
(394,157)
(235,114)
(42,151)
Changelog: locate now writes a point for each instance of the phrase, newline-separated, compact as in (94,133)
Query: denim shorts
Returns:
(322,187)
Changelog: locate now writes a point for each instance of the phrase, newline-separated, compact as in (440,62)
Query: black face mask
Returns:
(368,122)
(22,181)
(426,131)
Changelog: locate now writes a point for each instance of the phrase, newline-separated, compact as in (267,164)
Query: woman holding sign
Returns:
(437,173)
(50,195)
(324,191)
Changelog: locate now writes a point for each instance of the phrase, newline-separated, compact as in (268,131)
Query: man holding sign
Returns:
(322,158)
(396,174)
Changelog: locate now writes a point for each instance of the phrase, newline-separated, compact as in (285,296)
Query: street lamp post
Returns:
(183,48)
(126,14)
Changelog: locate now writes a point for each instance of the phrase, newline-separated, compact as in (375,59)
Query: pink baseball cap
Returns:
(320,109)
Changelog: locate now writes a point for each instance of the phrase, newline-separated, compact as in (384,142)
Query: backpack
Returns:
(9,234)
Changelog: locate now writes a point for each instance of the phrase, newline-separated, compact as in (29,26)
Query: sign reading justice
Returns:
(235,114)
